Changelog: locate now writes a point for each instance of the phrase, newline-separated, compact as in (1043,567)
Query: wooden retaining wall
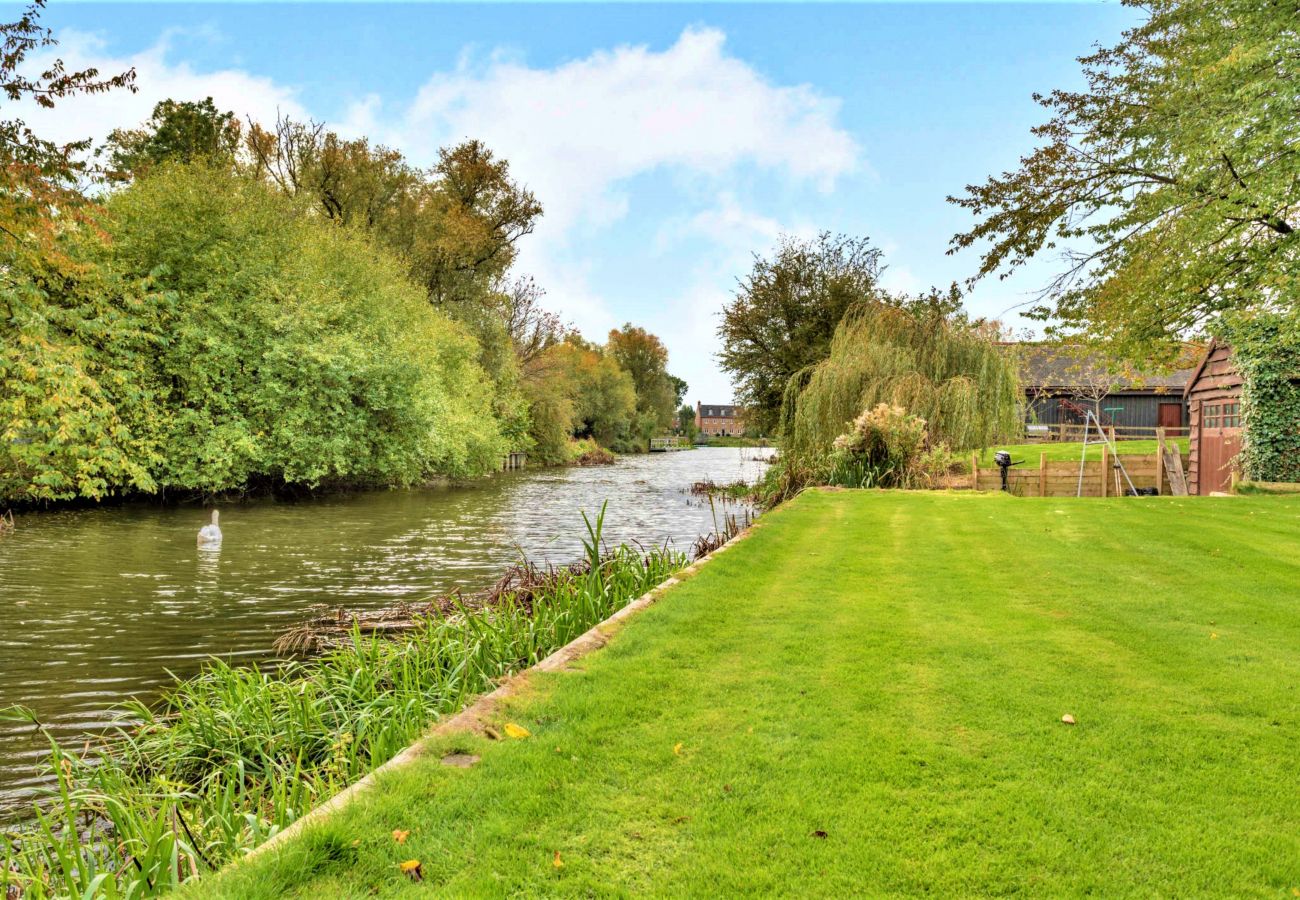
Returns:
(1060,478)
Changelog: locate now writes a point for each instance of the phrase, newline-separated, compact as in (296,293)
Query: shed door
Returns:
(1171,415)
(1219,443)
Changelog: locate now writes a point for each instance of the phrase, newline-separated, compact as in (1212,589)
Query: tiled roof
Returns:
(1052,365)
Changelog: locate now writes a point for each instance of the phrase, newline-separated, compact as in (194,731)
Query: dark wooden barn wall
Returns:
(1139,410)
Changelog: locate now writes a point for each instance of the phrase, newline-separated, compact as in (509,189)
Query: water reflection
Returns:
(98,605)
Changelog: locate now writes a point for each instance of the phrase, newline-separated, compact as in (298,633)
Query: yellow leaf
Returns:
(517,731)
(557,862)
(400,836)
(1213,636)
(677,749)
(411,869)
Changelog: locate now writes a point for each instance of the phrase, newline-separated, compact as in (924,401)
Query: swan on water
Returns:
(210,535)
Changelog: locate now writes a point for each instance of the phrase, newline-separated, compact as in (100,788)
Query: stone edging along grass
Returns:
(479,715)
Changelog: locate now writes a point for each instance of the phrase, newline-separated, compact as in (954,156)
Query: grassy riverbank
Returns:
(237,753)
(866,697)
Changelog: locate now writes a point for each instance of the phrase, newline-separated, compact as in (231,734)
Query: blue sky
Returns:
(667,142)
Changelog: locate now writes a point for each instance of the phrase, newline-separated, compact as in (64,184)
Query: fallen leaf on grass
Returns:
(819,833)
(1068,719)
(680,819)
(557,862)
(411,869)
(677,749)
(517,731)
(1213,636)
(400,836)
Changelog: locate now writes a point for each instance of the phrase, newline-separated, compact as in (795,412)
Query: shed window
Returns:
(1231,415)
(1211,414)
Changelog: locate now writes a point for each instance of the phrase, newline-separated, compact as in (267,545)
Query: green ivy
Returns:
(1266,351)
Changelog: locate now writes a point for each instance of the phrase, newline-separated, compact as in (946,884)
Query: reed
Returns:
(232,756)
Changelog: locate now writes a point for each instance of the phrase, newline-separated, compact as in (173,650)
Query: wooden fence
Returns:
(1070,431)
(1060,478)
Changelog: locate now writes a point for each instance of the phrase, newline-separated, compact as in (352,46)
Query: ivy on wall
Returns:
(1266,351)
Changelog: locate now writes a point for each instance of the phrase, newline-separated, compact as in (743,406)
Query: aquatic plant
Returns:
(232,756)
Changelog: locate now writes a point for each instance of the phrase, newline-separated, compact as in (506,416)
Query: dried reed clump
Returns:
(7,525)
(519,585)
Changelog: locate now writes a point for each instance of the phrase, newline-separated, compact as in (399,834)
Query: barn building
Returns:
(1063,381)
(1214,406)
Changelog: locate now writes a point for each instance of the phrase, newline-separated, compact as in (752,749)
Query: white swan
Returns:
(210,535)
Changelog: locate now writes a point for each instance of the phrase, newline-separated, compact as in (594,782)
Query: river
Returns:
(100,605)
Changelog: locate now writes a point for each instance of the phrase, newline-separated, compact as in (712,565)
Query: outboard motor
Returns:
(1003,460)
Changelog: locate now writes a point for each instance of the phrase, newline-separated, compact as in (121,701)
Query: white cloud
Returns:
(158,78)
(574,132)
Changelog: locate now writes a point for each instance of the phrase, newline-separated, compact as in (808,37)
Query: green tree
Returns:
(291,351)
(1168,185)
(679,387)
(62,320)
(455,226)
(645,358)
(686,422)
(183,131)
(785,313)
(950,372)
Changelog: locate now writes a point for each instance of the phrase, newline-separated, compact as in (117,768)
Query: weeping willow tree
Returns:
(941,368)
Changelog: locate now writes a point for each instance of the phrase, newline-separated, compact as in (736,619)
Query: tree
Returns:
(290,351)
(1169,185)
(455,226)
(475,214)
(61,319)
(23,153)
(532,329)
(943,368)
(686,422)
(785,313)
(643,356)
(679,387)
(183,131)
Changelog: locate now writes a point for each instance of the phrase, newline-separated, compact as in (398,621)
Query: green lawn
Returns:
(866,698)
(1072,451)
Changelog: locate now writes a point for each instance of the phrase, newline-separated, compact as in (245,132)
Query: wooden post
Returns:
(1160,460)
(974,471)
(1105,467)
(1042,474)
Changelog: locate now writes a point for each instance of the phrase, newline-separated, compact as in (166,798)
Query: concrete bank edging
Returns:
(477,716)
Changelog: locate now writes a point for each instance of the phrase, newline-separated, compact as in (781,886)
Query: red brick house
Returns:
(718,419)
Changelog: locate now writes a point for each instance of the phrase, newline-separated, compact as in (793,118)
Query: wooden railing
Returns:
(1067,432)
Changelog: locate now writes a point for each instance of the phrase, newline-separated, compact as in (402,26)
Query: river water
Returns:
(97,606)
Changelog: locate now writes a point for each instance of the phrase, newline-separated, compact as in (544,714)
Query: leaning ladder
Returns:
(1089,420)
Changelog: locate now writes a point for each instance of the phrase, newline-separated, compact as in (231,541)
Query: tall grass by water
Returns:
(229,758)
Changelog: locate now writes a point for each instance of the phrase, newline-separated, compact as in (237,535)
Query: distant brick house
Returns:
(718,420)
